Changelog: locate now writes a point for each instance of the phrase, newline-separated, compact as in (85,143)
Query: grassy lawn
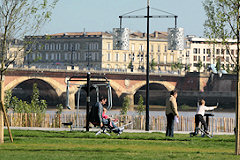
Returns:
(52,145)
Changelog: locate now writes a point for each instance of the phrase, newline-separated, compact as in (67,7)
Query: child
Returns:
(105,117)
(199,115)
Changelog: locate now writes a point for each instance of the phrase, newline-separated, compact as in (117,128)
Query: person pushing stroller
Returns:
(199,116)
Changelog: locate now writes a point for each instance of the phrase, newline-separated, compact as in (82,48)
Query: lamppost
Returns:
(172,41)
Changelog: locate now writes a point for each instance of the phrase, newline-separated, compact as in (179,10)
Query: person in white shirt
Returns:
(200,113)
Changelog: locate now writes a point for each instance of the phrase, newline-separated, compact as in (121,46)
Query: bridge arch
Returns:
(58,87)
(166,84)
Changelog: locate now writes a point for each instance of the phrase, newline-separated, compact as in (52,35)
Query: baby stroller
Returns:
(203,133)
(107,128)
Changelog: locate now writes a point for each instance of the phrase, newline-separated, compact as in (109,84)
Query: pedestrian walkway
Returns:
(97,129)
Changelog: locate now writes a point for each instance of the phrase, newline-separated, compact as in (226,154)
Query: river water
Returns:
(156,113)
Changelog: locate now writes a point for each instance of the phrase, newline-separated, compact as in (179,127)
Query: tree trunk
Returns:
(1,114)
(237,148)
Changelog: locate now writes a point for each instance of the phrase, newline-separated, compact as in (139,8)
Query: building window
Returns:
(52,56)
(109,57)
(133,47)
(232,52)
(227,51)
(195,50)
(141,48)
(66,56)
(217,51)
(195,58)
(59,56)
(152,48)
(227,59)
(46,56)
(65,46)
(204,58)
(158,59)
(52,46)
(159,48)
(77,46)
(198,50)
(124,57)
(172,59)
(165,48)
(58,46)
(46,46)
(208,51)
(108,46)
(116,57)
(165,59)
(222,51)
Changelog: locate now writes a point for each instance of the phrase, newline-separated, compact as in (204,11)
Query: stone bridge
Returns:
(123,84)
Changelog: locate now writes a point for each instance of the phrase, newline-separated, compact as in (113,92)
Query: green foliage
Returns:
(199,65)
(130,65)
(7,99)
(177,65)
(36,106)
(187,67)
(140,107)
(18,19)
(222,22)
(153,64)
(218,64)
(125,106)
(59,108)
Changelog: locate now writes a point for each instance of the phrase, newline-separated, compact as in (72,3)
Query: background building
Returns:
(94,50)
(202,50)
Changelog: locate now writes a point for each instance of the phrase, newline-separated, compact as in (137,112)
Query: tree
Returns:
(179,66)
(130,66)
(125,106)
(140,107)
(223,23)
(18,18)
(199,65)
(218,64)
(153,64)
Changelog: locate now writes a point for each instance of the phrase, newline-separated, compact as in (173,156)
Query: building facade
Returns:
(94,50)
(202,50)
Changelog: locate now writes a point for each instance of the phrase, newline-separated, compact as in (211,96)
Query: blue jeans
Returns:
(170,125)
(106,121)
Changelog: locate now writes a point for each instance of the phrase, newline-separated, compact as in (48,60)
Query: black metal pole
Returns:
(147,76)
(88,101)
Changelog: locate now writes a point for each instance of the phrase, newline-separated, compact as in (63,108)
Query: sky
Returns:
(103,15)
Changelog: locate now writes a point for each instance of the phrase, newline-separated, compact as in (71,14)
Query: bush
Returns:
(140,107)
(125,106)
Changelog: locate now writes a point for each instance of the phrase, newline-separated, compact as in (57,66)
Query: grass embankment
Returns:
(80,145)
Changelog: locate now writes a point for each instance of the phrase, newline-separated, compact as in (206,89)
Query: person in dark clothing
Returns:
(199,115)
(171,112)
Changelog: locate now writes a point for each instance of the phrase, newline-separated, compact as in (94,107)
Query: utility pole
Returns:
(147,75)
(88,101)
(147,63)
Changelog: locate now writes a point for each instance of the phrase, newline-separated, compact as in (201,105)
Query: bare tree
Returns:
(223,23)
(18,18)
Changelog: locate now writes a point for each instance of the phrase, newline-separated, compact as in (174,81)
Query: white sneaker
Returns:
(121,129)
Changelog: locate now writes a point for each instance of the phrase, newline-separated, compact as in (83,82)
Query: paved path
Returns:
(96,129)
